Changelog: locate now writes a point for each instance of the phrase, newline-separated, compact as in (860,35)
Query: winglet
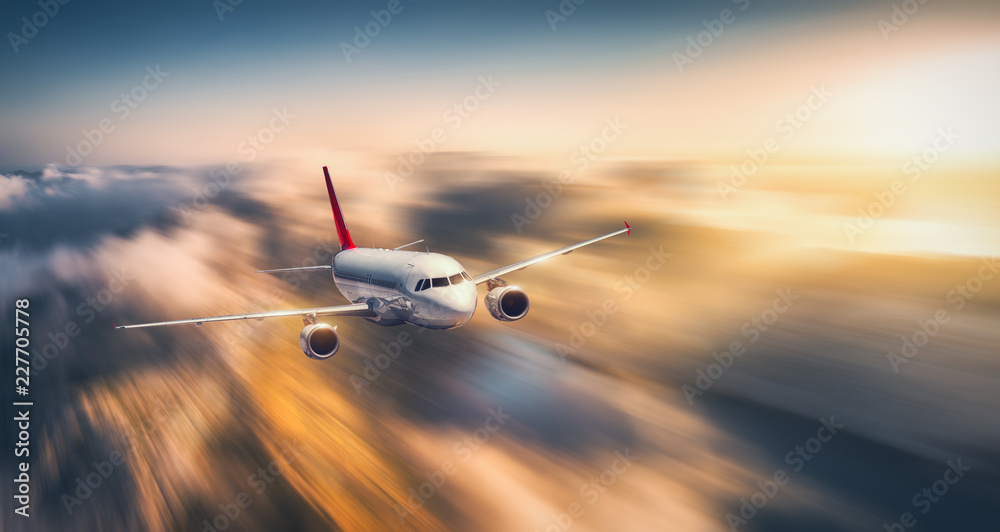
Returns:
(342,233)
(628,229)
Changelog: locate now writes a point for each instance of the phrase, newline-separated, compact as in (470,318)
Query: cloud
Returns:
(78,208)
(13,188)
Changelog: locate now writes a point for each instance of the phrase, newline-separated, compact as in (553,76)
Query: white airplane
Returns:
(392,287)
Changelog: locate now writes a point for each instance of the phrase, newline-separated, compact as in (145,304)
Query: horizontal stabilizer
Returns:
(408,245)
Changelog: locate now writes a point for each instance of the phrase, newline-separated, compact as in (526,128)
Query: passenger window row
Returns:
(368,279)
(458,278)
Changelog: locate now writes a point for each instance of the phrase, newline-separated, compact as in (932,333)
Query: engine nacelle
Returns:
(319,341)
(507,303)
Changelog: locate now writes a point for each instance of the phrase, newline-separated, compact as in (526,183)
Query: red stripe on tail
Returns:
(342,233)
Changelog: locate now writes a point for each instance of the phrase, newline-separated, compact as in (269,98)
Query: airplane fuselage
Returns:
(424,289)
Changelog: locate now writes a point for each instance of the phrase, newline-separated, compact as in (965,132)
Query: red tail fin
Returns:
(342,233)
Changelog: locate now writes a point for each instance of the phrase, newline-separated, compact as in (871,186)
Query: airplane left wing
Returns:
(493,274)
(357,309)
(299,269)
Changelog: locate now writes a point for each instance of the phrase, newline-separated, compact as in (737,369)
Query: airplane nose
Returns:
(468,307)
(462,299)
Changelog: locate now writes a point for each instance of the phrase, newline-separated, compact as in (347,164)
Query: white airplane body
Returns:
(396,280)
(392,287)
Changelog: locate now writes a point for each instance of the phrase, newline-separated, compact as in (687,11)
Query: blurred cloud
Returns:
(12,187)
(247,392)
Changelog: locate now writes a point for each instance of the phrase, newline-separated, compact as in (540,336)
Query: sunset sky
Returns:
(555,87)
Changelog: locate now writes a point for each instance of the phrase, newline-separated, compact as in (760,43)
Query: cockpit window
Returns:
(458,278)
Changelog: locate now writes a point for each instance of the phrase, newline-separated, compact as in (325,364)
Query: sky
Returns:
(555,79)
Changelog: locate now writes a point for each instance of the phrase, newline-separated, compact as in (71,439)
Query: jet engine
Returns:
(319,341)
(507,303)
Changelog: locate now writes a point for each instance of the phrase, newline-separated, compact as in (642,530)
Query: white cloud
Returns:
(12,189)
(94,177)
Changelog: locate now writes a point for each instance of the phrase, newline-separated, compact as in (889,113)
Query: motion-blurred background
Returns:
(800,333)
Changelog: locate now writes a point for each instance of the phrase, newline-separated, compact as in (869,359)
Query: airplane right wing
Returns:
(356,309)
(493,274)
